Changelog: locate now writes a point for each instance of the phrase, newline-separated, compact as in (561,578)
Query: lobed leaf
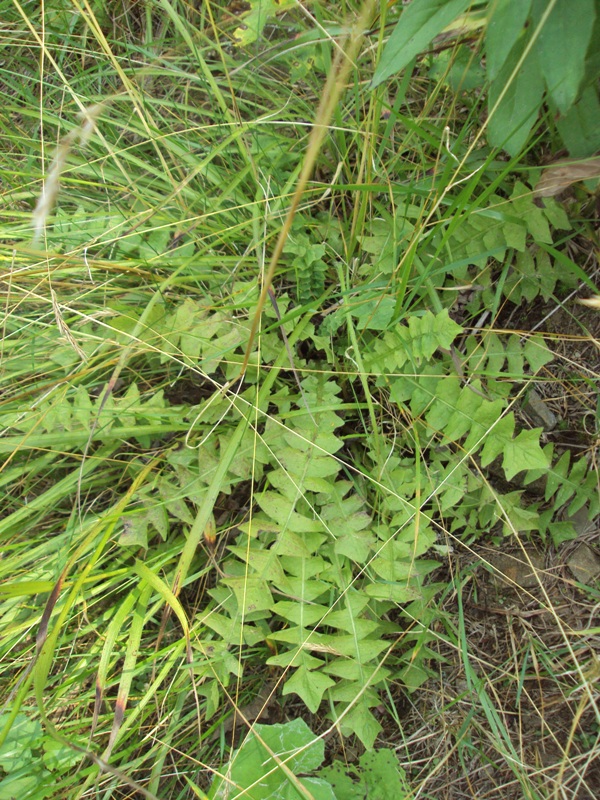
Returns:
(309,685)
(524,452)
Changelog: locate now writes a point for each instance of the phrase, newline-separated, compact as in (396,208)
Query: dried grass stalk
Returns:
(47,199)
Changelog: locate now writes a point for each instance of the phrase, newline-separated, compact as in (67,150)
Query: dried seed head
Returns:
(47,199)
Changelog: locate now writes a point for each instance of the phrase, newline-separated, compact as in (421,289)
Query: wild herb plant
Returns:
(205,487)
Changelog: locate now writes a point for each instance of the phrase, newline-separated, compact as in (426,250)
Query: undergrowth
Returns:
(196,514)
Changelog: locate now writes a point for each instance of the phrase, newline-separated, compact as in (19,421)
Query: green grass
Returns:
(175,537)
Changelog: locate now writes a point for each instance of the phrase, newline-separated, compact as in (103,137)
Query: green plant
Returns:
(272,757)
(534,50)
(29,759)
(376,776)
(268,763)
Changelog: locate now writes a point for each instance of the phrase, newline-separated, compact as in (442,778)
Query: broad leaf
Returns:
(420,22)
(459,68)
(378,776)
(527,211)
(514,101)
(579,128)
(29,782)
(413,675)
(230,630)
(503,30)
(254,774)
(299,588)
(24,735)
(561,46)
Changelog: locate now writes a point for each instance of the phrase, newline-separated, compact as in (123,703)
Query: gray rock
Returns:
(584,563)
(538,411)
